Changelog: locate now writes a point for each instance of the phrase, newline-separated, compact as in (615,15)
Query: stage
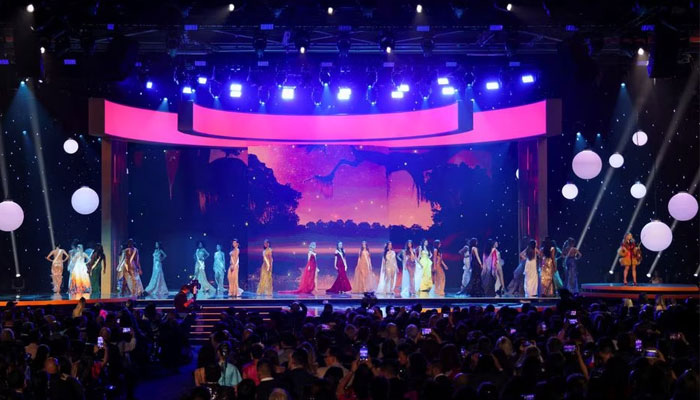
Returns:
(621,291)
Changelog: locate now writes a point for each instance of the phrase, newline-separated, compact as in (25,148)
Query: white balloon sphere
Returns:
(11,216)
(656,236)
(85,200)
(640,138)
(587,164)
(517,173)
(683,206)
(569,191)
(616,160)
(70,146)
(638,190)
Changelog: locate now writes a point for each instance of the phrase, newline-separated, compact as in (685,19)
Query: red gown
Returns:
(342,283)
(308,278)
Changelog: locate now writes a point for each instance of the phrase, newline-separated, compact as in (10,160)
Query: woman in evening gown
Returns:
(57,256)
(571,256)
(342,283)
(466,268)
(547,269)
(307,284)
(440,268)
(388,272)
(408,262)
(71,253)
(492,274)
(475,288)
(132,269)
(362,281)
(219,269)
(234,257)
(156,286)
(200,273)
(517,284)
(96,267)
(426,281)
(265,284)
(531,281)
(79,281)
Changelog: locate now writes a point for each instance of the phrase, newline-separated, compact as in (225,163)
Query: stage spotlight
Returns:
(403,87)
(149,85)
(288,93)
(419,8)
(302,49)
(469,78)
(317,95)
(235,90)
(260,44)
(493,85)
(324,77)
(622,84)
(302,42)
(371,78)
(330,11)
(396,94)
(263,94)
(386,43)
(187,90)
(372,95)
(388,49)
(30,7)
(509,7)
(344,93)
(640,51)
(424,90)
(202,80)
(231,7)
(443,81)
(448,90)
(42,49)
(528,78)
(427,45)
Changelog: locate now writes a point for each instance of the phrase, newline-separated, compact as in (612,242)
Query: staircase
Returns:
(209,315)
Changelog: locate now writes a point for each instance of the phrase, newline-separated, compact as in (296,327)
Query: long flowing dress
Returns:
(200,272)
(408,259)
(79,281)
(475,287)
(156,286)
(488,277)
(219,271)
(387,275)
(342,283)
(71,260)
(307,284)
(132,271)
(57,257)
(467,271)
(265,284)
(439,274)
(531,280)
(516,285)
(571,270)
(426,282)
(96,270)
(233,273)
(362,281)
(547,277)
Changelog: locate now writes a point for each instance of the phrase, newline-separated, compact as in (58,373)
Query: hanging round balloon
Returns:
(638,190)
(640,138)
(569,191)
(683,206)
(616,160)
(517,173)
(85,200)
(587,164)
(11,216)
(70,146)
(656,236)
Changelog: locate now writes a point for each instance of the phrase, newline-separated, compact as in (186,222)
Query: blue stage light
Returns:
(397,94)
(493,85)
(448,91)
(187,90)
(149,85)
(288,93)
(403,87)
(528,78)
(344,93)
(443,81)
(235,90)
(202,80)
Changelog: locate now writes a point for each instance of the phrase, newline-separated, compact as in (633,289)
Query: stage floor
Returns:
(619,290)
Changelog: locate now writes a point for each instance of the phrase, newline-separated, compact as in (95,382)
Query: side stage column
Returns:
(114,207)
(532,189)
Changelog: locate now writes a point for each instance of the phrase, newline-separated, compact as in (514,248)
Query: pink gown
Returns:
(308,278)
(342,283)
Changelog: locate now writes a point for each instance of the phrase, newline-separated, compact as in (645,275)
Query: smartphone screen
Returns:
(651,353)
(426,331)
(573,313)
(638,345)
(464,352)
(573,321)
(100,342)
(126,330)
(569,348)
(512,331)
(364,353)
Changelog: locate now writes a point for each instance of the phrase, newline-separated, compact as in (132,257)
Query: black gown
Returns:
(475,287)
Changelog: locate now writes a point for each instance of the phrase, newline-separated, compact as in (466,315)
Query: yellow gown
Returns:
(265,285)
(439,275)
(362,280)
(426,282)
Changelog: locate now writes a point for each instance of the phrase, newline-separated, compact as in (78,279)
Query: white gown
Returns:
(79,281)
(387,280)
(467,274)
(156,286)
(531,278)
(418,276)
(200,274)
(405,276)
(219,271)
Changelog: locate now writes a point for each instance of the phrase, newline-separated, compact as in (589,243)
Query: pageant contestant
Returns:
(219,269)
(492,274)
(571,256)
(475,288)
(342,283)
(426,281)
(121,285)
(79,281)
(57,256)
(265,284)
(307,285)
(71,253)
(515,287)
(630,256)
(548,268)
(530,254)
(387,275)
(200,273)
(96,267)
(558,281)
(132,269)
(363,280)
(408,262)
(467,270)
(234,258)
(156,286)
(440,268)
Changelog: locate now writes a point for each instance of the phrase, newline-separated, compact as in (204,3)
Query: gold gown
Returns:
(426,282)
(362,280)
(439,274)
(547,277)
(265,285)
(233,273)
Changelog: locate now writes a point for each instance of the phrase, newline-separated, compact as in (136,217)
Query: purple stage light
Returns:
(403,87)
(397,94)
(187,90)
(344,93)
(443,81)
(149,85)
(528,78)
(288,93)
(493,85)
(202,80)
(448,90)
